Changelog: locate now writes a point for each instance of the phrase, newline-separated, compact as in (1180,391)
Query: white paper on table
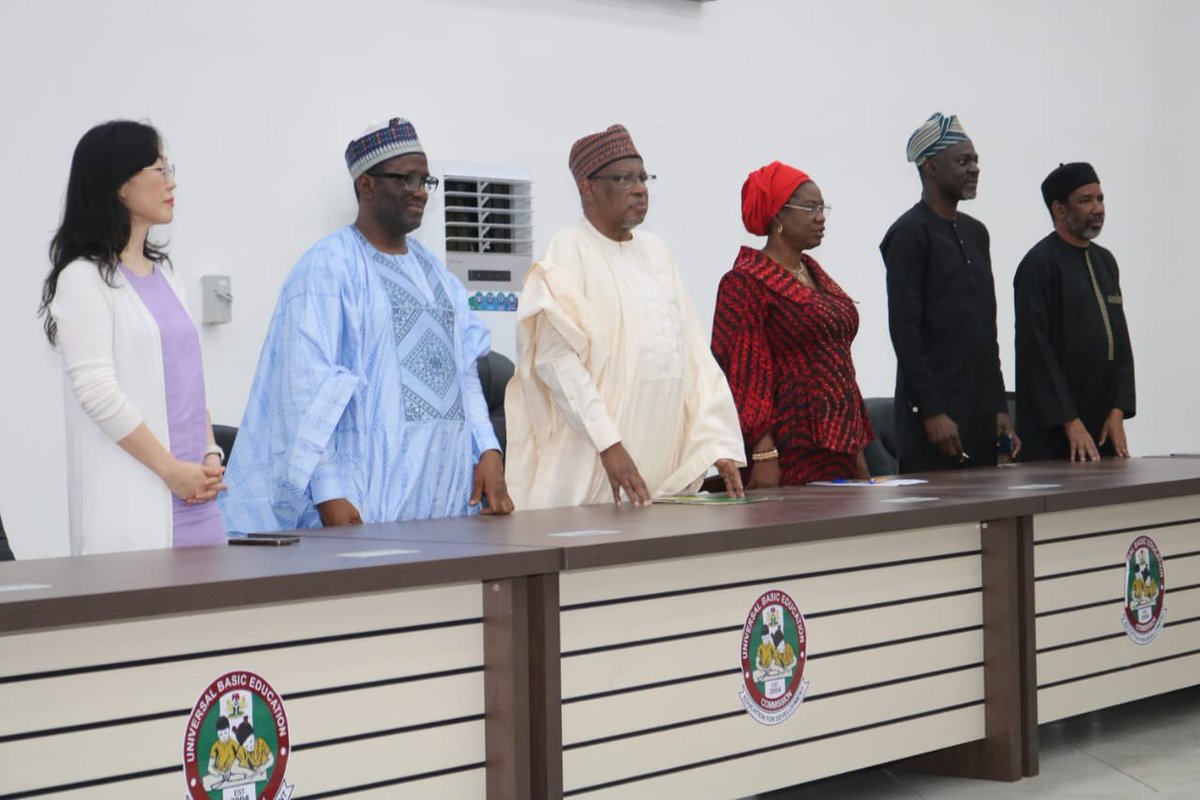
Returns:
(872,482)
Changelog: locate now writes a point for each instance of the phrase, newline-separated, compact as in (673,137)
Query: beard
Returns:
(1087,228)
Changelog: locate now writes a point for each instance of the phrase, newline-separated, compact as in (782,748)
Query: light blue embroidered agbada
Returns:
(367,389)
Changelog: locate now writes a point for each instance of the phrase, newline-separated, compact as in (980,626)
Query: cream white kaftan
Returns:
(610,349)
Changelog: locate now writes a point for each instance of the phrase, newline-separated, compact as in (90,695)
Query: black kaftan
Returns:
(942,317)
(1073,353)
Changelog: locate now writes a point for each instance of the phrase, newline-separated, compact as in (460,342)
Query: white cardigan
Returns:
(112,355)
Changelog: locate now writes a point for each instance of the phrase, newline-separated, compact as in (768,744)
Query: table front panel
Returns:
(651,664)
(1085,659)
(380,691)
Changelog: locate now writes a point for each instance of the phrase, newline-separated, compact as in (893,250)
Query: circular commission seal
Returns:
(774,644)
(236,744)
(1145,591)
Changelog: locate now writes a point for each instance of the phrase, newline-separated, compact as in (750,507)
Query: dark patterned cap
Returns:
(596,151)
(380,142)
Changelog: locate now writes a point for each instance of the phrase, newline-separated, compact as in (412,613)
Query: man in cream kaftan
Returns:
(615,387)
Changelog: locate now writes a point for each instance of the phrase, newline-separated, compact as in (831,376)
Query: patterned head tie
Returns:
(1066,179)
(380,142)
(938,133)
(596,151)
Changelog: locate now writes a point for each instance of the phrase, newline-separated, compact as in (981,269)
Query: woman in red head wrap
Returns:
(782,333)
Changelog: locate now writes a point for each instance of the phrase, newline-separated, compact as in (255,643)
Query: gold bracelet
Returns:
(765,455)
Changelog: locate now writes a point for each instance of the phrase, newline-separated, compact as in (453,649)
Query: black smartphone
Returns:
(265,539)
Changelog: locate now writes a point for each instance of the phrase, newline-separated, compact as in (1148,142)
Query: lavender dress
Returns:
(187,411)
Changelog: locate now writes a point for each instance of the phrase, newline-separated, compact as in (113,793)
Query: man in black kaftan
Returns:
(950,403)
(1075,383)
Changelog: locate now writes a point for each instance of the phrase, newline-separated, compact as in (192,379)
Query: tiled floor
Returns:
(1149,749)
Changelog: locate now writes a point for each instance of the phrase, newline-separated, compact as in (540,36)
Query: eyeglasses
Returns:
(812,211)
(412,180)
(625,180)
(166,170)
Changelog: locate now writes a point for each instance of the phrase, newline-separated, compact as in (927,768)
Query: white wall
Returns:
(258,99)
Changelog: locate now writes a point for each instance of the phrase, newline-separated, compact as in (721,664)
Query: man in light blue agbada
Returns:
(367,406)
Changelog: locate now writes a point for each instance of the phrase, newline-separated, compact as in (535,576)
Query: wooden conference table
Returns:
(597,652)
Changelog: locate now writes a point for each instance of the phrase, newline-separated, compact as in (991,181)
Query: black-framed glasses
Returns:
(812,211)
(626,180)
(165,169)
(412,180)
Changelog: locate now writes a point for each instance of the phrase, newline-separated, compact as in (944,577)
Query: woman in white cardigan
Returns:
(138,431)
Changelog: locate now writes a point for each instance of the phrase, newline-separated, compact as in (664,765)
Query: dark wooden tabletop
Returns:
(604,535)
(331,562)
(82,589)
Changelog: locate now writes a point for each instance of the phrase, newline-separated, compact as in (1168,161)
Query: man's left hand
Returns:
(1004,425)
(489,482)
(732,477)
(1114,429)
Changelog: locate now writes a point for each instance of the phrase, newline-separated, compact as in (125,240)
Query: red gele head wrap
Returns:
(764,193)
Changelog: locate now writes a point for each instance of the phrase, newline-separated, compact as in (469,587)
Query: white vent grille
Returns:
(488,236)
(488,215)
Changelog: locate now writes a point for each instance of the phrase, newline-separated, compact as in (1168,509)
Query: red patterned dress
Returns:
(785,349)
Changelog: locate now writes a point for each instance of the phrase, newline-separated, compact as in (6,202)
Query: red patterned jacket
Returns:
(785,349)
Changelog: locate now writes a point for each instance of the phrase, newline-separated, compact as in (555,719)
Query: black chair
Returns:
(883,454)
(6,553)
(225,436)
(495,371)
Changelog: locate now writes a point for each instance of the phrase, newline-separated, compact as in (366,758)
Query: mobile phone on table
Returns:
(265,539)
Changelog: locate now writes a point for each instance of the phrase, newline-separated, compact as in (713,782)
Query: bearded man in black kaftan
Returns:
(1075,384)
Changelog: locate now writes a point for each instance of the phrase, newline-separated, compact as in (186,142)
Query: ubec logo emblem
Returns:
(774,647)
(1145,591)
(236,744)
